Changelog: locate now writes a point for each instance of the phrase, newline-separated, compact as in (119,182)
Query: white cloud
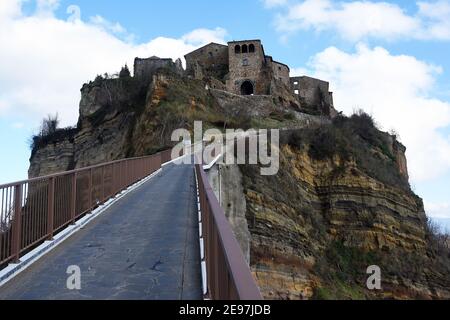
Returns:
(46,7)
(437,17)
(297,72)
(9,9)
(113,27)
(438,210)
(202,36)
(357,20)
(17,125)
(273,3)
(395,89)
(45,60)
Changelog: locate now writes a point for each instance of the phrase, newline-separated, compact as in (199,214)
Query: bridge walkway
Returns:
(145,246)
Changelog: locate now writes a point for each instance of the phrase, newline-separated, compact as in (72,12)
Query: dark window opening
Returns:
(247,88)
(245,62)
(251,48)
(210,54)
(244,48)
(237,49)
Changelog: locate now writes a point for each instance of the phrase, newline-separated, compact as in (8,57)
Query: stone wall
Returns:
(281,72)
(145,68)
(312,91)
(208,61)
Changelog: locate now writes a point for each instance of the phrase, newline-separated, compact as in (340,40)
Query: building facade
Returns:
(244,69)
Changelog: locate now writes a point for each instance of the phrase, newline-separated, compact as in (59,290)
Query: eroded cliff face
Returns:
(340,202)
(318,224)
(129,117)
(108,112)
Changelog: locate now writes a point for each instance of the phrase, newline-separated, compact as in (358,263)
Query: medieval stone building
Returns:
(243,68)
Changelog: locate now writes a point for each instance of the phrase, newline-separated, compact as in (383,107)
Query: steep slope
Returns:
(330,213)
(340,202)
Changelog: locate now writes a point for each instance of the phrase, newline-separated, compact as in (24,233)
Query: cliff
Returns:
(340,202)
(329,214)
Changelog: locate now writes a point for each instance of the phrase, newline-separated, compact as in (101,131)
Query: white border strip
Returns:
(202,246)
(12,270)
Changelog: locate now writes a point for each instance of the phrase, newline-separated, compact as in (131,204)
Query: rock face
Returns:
(340,202)
(232,200)
(55,157)
(317,225)
(108,110)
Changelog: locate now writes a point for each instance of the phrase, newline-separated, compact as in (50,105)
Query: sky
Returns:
(389,58)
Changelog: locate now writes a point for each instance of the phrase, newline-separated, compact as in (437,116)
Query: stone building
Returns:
(249,70)
(243,68)
(312,91)
(208,61)
(145,68)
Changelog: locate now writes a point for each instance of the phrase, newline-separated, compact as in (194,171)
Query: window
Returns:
(279,68)
(295,83)
(296,91)
(244,48)
(251,48)
(245,62)
(210,54)
(237,49)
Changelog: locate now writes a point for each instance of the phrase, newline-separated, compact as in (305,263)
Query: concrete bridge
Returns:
(139,228)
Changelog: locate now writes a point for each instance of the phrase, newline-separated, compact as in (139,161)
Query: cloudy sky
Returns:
(387,57)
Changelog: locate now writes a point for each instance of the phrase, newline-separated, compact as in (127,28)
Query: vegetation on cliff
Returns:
(340,202)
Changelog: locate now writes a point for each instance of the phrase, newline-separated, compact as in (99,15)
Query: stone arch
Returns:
(247,88)
(237,49)
(251,48)
(244,48)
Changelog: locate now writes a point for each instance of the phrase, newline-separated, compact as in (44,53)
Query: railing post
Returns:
(73,207)
(17,223)
(103,184)
(51,207)
(90,190)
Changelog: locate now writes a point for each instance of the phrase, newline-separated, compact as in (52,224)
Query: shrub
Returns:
(49,125)
(437,240)
(49,132)
(326,142)
(125,72)
(295,140)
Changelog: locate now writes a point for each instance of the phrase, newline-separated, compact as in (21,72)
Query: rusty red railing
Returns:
(34,210)
(228,275)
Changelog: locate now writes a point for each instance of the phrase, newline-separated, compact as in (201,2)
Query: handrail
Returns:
(43,206)
(228,275)
(64,173)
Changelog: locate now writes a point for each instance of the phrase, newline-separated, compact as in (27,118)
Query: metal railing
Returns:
(34,210)
(228,275)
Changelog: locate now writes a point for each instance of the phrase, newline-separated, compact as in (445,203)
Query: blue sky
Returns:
(389,58)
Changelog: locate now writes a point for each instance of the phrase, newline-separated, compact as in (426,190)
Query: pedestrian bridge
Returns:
(142,228)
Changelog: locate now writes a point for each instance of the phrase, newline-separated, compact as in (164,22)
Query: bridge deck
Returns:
(143,247)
